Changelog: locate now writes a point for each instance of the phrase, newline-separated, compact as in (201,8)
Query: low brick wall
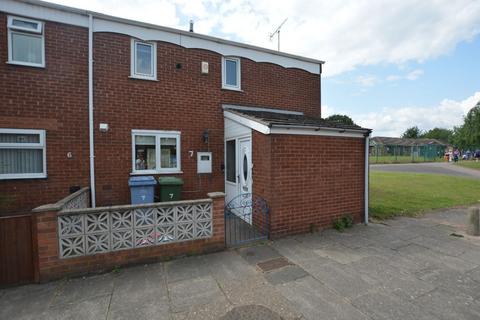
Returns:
(74,240)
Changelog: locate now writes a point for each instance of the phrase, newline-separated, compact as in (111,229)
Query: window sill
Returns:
(232,89)
(26,64)
(20,176)
(142,78)
(155,173)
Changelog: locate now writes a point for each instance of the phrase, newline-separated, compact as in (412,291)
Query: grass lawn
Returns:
(409,194)
(469,164)
(401,159)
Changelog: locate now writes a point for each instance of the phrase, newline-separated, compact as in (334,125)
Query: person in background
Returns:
(456,153)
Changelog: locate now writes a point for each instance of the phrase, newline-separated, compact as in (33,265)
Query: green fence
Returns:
(406,154)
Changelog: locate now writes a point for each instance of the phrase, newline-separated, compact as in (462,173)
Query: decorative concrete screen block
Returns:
(91,231)
(79,201)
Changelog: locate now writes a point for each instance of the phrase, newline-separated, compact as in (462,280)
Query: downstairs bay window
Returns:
(155,152)
(22,154)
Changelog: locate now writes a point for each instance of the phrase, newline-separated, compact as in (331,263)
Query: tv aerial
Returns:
(277,32)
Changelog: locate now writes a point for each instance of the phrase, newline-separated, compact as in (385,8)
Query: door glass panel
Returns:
(230,165)
(245,167)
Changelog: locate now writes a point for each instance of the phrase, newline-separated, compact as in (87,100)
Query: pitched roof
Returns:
(405,141)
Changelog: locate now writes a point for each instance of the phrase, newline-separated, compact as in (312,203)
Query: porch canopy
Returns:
(275,121)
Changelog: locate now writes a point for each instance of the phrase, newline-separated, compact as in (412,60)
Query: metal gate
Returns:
(246,219)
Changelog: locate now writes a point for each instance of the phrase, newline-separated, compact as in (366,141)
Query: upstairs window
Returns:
(22,154)
(156,151)
(26,42)
(144,60)
(231,73)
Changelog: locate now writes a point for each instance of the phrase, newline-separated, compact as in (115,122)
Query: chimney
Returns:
(191,26)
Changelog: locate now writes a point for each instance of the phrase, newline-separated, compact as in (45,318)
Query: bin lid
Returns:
(172,181)
(141,181)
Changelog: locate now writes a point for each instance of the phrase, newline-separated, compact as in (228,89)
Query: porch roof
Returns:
(282,119)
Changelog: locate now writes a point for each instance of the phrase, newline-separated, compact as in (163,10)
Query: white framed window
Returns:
(26,42)
(143,60)
(155,151)
(231,73)
(22,154)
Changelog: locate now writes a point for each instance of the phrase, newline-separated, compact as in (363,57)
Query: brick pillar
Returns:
(218,216)
(46,238)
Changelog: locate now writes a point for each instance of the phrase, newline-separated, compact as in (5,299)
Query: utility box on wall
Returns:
(204,162)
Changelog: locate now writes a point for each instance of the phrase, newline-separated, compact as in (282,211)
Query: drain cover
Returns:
(251,312)
(273,264)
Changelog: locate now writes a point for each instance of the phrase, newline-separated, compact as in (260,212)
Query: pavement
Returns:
(447,168)
(406,268)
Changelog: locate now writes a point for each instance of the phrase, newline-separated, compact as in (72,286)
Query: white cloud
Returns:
(394,77)
(414,75)
(366,80)
(394,121)
(327,111)
(346,34)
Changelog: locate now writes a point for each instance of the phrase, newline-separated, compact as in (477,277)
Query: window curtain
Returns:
(21,161)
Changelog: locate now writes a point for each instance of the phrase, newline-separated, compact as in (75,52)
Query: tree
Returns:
(412,133)
(339,118)
(467,136)
(444,135)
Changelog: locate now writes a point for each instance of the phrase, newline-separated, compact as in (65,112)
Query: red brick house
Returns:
(91,100)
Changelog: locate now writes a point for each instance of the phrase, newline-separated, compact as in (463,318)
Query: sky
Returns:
(389,65)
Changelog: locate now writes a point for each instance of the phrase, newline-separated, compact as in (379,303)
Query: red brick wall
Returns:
(56,99)
(53,98)
(312,180)
(49,266)
(182,100)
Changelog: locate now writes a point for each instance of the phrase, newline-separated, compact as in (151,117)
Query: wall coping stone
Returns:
(131,207)
(59,205)
(214,195)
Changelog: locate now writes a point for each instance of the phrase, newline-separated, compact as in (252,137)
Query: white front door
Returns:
(238,171)
(244,161)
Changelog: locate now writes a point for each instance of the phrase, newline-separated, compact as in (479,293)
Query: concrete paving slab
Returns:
(382,306)
(139,292)
(27,302)
(257,291)
(456,283)
(446,306)
(89,309)
(229,266)
(316,301)
(342,279)
(187,268)
(208,311)
(141,310)
(430,258)
(297,252)
(475,274)
(256,254)
(251,312)
(285,274)
(340,253)
(391,279)
(85,288)
(187,294)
